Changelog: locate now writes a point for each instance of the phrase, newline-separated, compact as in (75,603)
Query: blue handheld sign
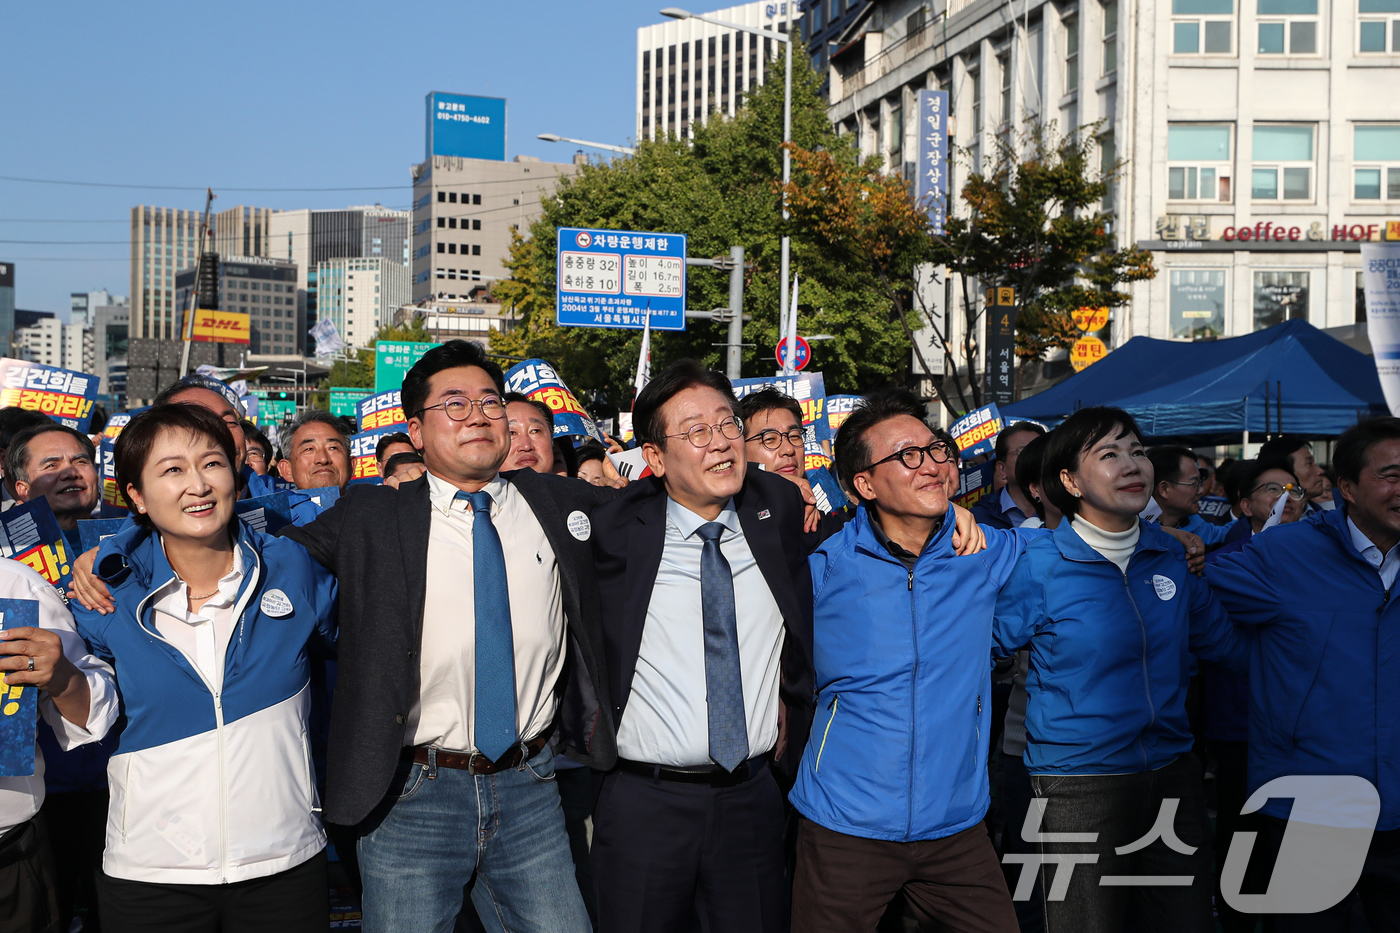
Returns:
(615,278)
(19,704)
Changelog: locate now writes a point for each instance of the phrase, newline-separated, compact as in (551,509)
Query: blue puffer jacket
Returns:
(1110,651)
(212,785)
(903,673)
(1325,672)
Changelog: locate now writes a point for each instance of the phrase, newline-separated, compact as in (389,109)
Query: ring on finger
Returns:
(31,663)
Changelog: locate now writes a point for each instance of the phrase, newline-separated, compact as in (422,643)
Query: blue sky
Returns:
(271,95)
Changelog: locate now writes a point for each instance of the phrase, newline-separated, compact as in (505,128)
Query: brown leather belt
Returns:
(475,762)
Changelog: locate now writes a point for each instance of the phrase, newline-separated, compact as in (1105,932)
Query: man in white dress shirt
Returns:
(78,698)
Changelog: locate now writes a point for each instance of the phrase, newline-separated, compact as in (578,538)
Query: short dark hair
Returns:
(768,398)
(1285,446)
(1354,446)
(14,420)
(451,355)
(398,437)
(543,408)
(1028,470)
(647,420)
(589,451)
(138,439)
(1166,463)
(852,454)
(17,454)
(1245,476)
(256,436)
(399,459)
(313,416)
(1004,438)
(1067,444)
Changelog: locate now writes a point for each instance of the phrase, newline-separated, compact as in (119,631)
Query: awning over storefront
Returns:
(1291,378)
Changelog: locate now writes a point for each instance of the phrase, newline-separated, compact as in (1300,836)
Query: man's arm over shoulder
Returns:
(1020,607)
(1245,582)
(321,536)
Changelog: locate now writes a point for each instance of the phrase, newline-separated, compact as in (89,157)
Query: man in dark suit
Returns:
(469,626)
(709,669)
(1012,506)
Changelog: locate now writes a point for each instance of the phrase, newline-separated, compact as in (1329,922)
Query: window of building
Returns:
(975,78)
(1373,32)
(896,138)
(1071,55)
(442,195)
(1108,159)
(1110,36)
(1287,27)
(1197,303)
(476,225)
(1283,157)
(476,250)
(1004,69)
(1279,297)
(452,223)
(1360,299)
(1376,155)
(1203,27)
(1198,162)
(442,247)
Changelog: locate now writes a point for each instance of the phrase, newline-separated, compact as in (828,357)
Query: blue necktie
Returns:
(724,688)
(494,699)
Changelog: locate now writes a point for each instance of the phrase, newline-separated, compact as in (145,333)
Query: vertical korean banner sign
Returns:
(538,381)
(931,182)
(1380,278)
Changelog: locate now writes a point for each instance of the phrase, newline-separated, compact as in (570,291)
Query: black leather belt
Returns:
(713,776)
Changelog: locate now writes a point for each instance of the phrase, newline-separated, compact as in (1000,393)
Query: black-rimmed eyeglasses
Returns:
(459,407)
(913,457)
(772,438)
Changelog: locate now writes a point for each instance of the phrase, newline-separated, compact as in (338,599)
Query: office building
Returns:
(82,303)
(111,325)
(463,211)
(688,69)
(243,231)
(308,238)
(1260,142)
(828,25)
(7,305)
(45,339)
(361,295)
(163,240)
(265,289)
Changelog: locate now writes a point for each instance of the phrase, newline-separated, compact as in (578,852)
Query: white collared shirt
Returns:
(203,636)
(442,716)
(1386,564)
(667,719)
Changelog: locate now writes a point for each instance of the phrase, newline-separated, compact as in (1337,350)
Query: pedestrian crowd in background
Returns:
(512,691)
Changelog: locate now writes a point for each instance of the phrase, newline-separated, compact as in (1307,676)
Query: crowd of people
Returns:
(511,691)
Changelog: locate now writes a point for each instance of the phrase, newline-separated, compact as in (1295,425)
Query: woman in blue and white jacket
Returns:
(1112,615)
(214,820)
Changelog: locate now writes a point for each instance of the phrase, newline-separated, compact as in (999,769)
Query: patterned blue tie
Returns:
(724,689)
(494,698)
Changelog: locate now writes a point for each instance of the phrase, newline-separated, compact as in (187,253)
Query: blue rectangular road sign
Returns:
(931,185)
(609,278)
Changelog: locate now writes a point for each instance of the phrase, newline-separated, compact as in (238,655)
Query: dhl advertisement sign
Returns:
(219,326)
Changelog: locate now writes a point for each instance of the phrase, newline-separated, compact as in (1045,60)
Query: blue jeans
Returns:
(442,829)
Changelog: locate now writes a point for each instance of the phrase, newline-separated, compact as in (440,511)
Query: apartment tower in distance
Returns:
(466,197)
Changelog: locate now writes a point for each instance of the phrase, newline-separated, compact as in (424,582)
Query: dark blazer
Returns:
(375,540)
(629,534)
(988,511)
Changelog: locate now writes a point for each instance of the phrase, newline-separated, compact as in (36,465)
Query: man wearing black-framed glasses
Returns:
(1176,488)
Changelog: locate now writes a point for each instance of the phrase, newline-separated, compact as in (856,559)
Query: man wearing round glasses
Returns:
(1177,489)
(773,432)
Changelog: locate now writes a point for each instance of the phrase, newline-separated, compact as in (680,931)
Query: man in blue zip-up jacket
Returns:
(893,786)
(1325,670)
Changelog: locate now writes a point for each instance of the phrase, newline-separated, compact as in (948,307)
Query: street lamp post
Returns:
(556,138)
(786,39)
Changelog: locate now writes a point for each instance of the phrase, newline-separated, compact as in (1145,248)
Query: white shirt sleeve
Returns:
(18,581)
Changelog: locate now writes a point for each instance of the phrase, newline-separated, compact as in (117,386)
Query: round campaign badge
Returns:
(276,604)
(579,526)
(1165,586)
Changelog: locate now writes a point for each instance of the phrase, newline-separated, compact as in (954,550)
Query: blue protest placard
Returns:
(364,468)
(976,432)
(826,490)
(114,504)
(92,532)
(381,410)
(974,483)
(267,514)
(838,409)
(615,278)
(30,534)
(1215,509)
(931,182)
(64,395)
(538,381)
(809,390)
(19,704)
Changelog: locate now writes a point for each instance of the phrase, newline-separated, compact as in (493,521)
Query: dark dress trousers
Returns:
(375,540)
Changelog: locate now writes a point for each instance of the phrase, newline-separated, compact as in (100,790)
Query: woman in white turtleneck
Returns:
(1111,615)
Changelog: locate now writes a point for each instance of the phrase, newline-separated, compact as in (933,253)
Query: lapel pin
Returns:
(764,514)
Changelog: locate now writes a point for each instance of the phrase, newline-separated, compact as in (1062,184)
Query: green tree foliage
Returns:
(721,189)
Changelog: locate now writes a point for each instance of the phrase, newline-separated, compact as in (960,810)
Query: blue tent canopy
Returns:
(1212,388)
